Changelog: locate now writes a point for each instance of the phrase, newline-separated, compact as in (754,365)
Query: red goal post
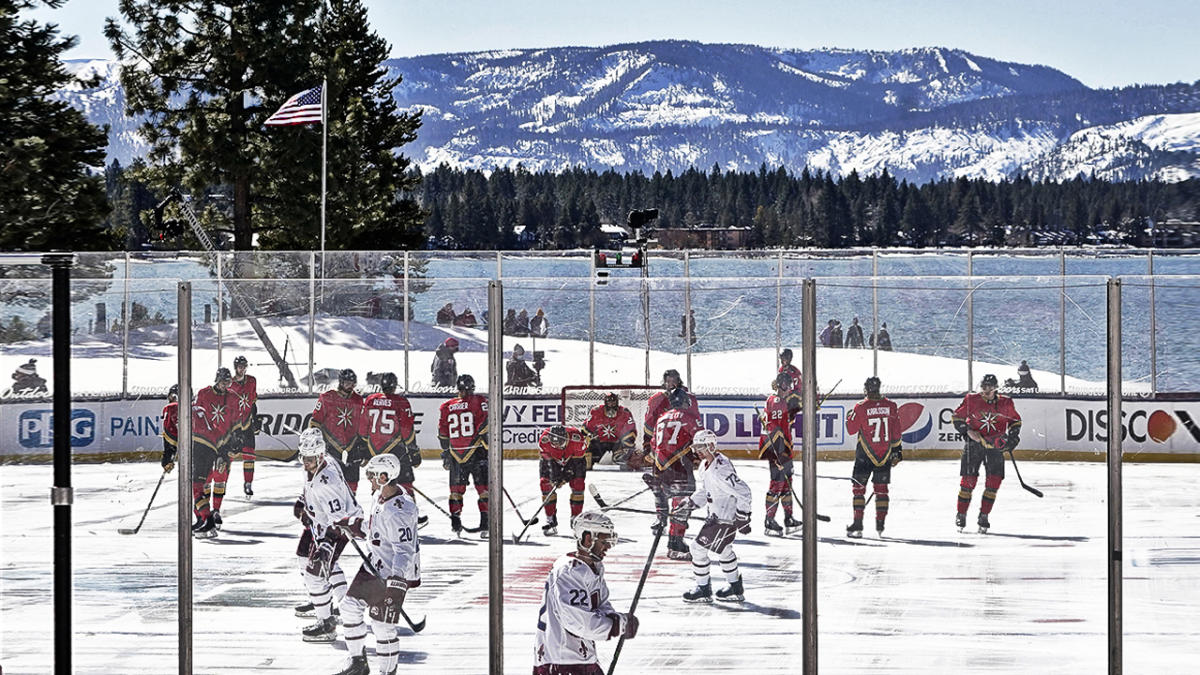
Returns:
(577,402)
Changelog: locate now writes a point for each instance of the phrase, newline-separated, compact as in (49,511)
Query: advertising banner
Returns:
(1072,429)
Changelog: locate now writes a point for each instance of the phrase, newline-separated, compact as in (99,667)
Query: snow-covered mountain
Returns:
(657,106)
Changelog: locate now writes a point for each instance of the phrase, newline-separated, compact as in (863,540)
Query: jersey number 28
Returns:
(461,424)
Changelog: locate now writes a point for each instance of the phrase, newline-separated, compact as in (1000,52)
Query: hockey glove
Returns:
(298,510)
(623,625)
(742,522)
(352,527)
(446,461)
(414,455)
(961,427)
(651,481)
(320,561)
(358,454)
(897,456)
(1013,439)
(388,609)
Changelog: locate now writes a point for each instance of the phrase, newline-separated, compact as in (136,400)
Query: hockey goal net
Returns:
(579,400)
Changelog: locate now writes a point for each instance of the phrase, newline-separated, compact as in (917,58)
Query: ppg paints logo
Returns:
(36,428)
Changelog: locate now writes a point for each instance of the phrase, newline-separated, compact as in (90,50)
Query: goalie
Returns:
(612,429)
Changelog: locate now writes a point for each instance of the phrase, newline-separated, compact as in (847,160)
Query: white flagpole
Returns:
(324,143)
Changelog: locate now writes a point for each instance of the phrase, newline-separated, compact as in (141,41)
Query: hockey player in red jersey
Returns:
(876,422)
(213,414)
(792,372)
(775,446)
(336,415)
(245,386)
(170,429)
(612,429)
(576,610)
(991,426)
(463,431)
(562,451)
(386,426)
(660,403)
(672,476)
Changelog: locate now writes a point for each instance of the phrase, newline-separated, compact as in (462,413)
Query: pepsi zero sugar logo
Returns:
(35,428)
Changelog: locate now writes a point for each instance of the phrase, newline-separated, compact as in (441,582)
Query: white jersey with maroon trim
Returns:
(327,498)
(575,613)
(392,538)
(720,487)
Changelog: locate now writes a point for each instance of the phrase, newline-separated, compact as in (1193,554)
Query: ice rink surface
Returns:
(1030,597)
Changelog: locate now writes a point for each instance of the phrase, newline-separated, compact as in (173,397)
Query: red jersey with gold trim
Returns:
(170,423)
(992,420)
(386,422)
(247,395)
(464,423)
(658,404)
(337,418)
(617,429)
(576,446)
(877,423)
(673,438)
(776,441)
(213,417)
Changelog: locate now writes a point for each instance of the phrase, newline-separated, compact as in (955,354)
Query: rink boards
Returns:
(1059,429)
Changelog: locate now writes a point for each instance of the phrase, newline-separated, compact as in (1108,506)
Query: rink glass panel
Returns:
(1160,556)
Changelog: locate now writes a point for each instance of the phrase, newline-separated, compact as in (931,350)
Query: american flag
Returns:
(303,108)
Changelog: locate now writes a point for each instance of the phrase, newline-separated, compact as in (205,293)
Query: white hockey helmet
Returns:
(594,522)
(704,441)
(386,464)
(312,444)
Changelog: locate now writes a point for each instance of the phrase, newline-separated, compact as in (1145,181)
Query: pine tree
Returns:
(367,204)
(51,194)
(195,69)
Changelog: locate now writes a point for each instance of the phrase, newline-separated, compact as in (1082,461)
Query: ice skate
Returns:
(854,530)
(879,527)
(483,525)
(321,631)
(247,489)
(357,666)
(456,524)
(732,593)
(306,610)
(984,525)
(218,521)
(699,594)
(207,529)
(792,526)
(677,550)
(960,521)
(551,527)
(772,528)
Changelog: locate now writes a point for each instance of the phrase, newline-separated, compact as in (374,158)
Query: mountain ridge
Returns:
(922,113)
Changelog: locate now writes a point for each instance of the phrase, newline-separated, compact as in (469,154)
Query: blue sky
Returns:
(1103,43)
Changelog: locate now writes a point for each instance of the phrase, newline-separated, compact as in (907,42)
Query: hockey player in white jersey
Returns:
(575,608)
(728,500)
(324,501)
(393,567)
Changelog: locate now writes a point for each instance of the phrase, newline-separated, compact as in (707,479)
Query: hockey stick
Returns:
(612,666)
(820,516)
(416,627)
(514,505)
(647,511)
(1036,492)
(549,495)
(125,530)
(603,505)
